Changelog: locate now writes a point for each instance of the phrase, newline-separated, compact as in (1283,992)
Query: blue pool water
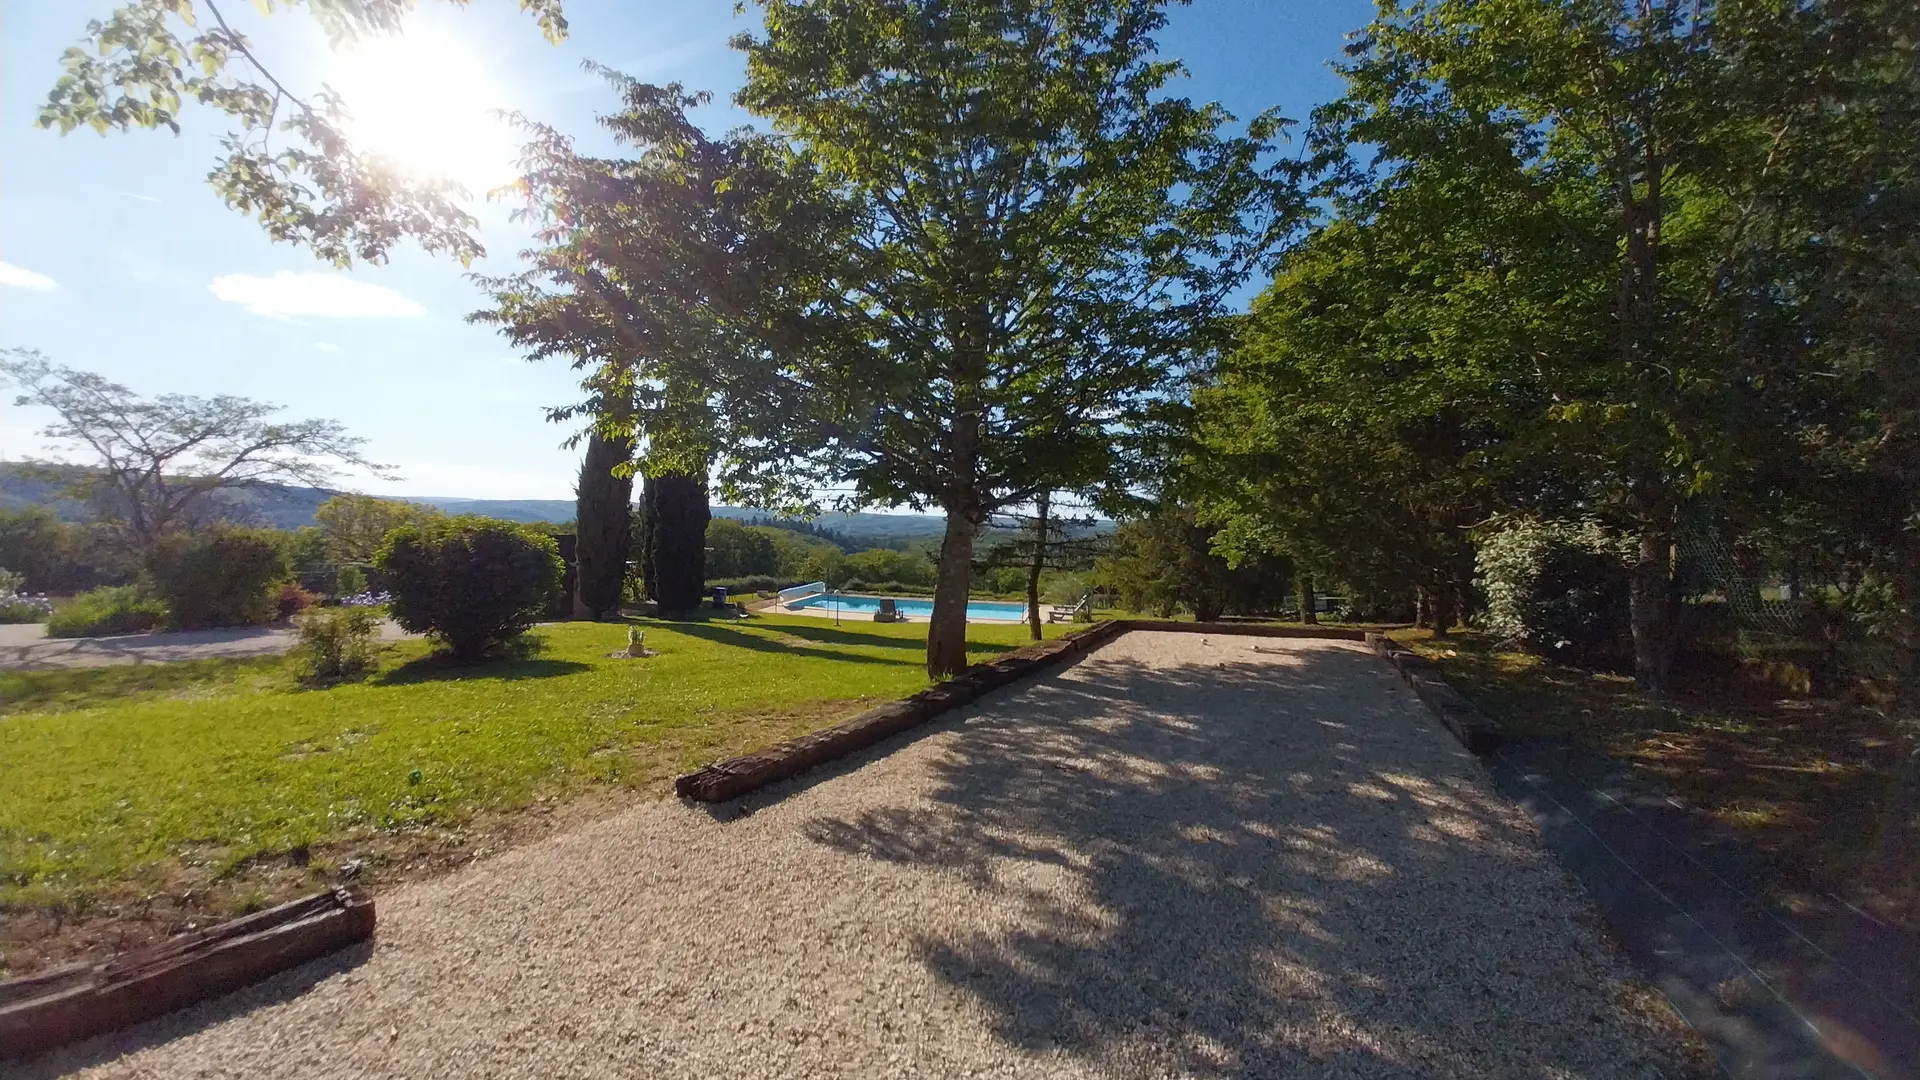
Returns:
(912,609)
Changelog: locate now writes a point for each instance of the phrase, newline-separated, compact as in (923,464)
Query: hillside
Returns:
(290,507)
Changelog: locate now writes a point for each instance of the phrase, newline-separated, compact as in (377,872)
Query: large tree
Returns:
(289,160)
(1630,259)
(662,275)
(152,465)
(1041,236)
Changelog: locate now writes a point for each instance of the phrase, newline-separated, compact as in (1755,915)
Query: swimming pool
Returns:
(907,606)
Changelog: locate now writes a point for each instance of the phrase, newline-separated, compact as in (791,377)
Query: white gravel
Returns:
(1180,857)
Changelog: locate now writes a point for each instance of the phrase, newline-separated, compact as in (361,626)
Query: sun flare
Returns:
(424,102)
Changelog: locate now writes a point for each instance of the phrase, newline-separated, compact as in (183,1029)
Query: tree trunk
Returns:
(1422,608)
(1308,616)
(676,556)
(601,520)
(947,630)
(1039,563)
(1445,611)
(1650,596)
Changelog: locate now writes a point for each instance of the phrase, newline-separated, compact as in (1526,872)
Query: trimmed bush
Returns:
(337,644)
(471,583)
(222,577)
(122,609)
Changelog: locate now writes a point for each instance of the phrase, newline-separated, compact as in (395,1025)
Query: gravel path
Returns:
(26,646)
(1180,857)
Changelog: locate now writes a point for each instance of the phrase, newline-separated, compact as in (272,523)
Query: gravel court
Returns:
(1182,856)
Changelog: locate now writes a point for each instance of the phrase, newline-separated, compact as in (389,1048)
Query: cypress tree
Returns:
(601,516)
(674,559)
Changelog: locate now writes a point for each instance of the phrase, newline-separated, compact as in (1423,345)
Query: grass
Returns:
(1821,787)
(225,781)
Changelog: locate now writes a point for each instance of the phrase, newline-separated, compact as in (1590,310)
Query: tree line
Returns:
(1610,295)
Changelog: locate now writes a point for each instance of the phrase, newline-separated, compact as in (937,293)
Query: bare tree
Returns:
(152,464)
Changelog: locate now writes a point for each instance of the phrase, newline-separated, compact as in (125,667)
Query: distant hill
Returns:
(530,510)
(284,506)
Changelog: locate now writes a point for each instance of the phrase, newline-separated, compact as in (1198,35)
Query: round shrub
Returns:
(470,583)
(222,577)
(122,609)
(291,600)
(1559,587)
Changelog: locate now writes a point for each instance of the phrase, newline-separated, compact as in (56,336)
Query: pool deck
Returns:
(827,612)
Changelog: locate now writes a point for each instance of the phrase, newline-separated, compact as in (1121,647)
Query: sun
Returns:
(423,102)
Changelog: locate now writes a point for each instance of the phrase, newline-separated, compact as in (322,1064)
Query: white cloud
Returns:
(287,294)
(325,347)
(24,279)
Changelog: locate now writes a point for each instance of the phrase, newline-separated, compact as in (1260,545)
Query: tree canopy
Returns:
(288,160)
(1583,258)
(1039,238)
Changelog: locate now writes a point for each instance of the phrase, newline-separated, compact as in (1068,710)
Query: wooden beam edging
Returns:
(1475,730)
(738,776)
(41,1012)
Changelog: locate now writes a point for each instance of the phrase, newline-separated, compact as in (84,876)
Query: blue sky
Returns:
(116,257)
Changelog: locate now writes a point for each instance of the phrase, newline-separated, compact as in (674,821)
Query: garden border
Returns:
(41,1012)
(1475,730)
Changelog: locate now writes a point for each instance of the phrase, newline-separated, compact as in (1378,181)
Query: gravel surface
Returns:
(1180,857)
(26,646)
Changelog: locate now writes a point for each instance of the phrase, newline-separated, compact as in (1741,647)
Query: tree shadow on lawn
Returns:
(728,632)
(726,635)
(439,668)
(1268,868)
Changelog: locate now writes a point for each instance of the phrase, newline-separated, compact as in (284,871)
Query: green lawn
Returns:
(121,782)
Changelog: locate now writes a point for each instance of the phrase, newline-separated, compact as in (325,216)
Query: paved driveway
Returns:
(1179,857)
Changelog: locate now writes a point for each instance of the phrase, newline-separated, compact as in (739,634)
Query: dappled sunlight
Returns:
(1183,866)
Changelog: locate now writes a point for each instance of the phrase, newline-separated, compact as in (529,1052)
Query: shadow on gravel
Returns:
(102,1049)
(1272,870)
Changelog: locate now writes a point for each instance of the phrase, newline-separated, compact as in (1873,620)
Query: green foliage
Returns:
(1066,590)
(1631,261)
(290,162)
(603,518)
(120,609)
(353,527)
(885,565)
(52,555)
(471,583)
(672,537)
(1559,587)
(736,550)
(336,644)
(1165,563)
(739,587)
(1038,238)
(221,577)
